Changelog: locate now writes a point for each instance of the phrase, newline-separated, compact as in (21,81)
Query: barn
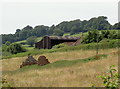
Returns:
(49,41)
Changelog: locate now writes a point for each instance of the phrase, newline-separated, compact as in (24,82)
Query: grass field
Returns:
(69,66)
(26,45)
(80,74)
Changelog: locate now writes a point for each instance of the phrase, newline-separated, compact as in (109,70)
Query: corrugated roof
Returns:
(63,38)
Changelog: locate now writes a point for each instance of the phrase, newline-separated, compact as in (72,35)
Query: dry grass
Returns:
(79,75)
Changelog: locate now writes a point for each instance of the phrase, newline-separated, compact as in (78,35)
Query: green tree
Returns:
(40,30)
(74,30)
(4,47)
(58,32)
(18,30)
(92,36)
(15,48)
(116,26)
(50,31)
(113,35)
(105,34)
(28,28)
(31,40)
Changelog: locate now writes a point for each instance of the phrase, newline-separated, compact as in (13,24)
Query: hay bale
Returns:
(29,61)
(42,61)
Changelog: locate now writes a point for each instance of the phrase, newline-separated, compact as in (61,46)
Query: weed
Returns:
(111,79)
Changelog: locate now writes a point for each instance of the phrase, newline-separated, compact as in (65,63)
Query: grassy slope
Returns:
(20,41)
(28,46)
(74,75)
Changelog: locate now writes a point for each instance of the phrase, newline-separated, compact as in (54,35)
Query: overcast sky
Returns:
(16,14)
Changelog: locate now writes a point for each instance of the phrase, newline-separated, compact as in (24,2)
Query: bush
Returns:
(15,48)
(111,80)
(4,47)
(114,43)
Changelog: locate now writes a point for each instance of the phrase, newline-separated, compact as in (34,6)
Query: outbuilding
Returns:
(49,41)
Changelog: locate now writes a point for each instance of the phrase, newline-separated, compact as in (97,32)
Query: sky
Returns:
(16,14)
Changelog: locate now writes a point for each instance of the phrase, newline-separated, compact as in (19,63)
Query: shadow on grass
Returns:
(58,64)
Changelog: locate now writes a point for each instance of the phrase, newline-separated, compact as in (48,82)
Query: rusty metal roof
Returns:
(63,38)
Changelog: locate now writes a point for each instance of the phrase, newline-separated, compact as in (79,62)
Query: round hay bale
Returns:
(29,61)
(42,61)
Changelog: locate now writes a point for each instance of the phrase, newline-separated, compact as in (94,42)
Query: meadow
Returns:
(77,74)
(70,66)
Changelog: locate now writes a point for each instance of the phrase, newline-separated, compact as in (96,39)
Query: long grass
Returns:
(56,56)
(76,75)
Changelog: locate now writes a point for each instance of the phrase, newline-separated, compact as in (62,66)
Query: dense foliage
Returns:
(75,26)
(97,36)
(13,48)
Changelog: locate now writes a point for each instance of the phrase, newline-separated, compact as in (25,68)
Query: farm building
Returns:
(49,41)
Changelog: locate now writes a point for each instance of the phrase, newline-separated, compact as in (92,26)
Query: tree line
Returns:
(72,27)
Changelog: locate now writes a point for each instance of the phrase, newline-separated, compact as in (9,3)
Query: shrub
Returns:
(113,43)
(15,48)
(4,47)
(111,80)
